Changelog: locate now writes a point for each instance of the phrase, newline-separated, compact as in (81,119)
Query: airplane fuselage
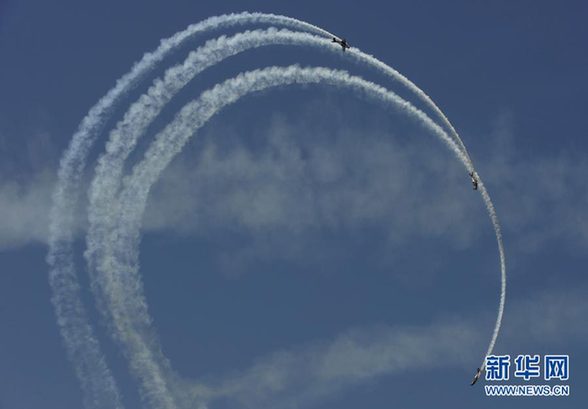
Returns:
(474,181)
(476,376)
(342,42)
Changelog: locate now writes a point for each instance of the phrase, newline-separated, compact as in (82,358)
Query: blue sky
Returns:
(311,248)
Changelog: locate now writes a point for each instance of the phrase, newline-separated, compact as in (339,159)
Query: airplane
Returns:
(476,376)
(342,42)
(474,180)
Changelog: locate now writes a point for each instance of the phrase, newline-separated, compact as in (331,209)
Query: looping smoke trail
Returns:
(83,350)
(120,249)
(148,362)
(141,113)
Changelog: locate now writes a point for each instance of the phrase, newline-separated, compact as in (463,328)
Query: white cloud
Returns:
(541,199)
(24,211)
(305,178)
(357,179)
(303,181)
(301,376)
(26,182)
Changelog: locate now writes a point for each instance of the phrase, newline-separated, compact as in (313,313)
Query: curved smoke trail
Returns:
(99,387)
(83,350)
(150,104)
(126,302)
(498,233)
(141,114)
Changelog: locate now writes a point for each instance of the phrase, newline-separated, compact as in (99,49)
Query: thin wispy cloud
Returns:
(291,186)
(363,177)
(23,210)
(27,178)
(301,377)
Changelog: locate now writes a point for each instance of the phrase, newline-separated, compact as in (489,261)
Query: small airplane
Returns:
(474,180)
(342,42)
(476,376)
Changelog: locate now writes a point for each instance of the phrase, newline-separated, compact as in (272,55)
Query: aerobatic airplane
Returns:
(476,376)
(474,180)
(342,42)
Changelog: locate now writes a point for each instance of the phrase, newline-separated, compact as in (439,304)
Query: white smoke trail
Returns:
(141,114)
(127,132)
(119,252)
(391,72)
(135,122)
(98,386)
(69,308)
(82,347)
(470,167)
(502,300)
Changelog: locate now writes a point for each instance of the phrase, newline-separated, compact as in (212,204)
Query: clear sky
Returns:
(311,247)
